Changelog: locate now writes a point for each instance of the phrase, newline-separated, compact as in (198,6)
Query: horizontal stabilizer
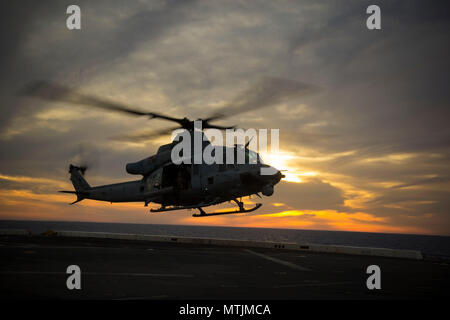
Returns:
(82,193)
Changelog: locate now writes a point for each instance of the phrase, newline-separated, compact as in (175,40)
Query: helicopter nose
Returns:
(270,181)
(278,176)
(272,175)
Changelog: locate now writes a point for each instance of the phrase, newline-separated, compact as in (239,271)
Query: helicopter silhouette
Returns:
(179,186)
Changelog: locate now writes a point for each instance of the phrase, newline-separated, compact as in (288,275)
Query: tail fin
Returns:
(80,184)
(76,176)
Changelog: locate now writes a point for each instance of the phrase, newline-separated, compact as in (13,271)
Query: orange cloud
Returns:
(26,204)
(310,219)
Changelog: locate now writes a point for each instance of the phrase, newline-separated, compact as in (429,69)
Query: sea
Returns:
(430,245)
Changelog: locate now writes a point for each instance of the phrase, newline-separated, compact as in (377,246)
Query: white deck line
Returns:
(279,261)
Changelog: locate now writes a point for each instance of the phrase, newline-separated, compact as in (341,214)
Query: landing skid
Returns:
(204,214)
(241,210)
(163,208)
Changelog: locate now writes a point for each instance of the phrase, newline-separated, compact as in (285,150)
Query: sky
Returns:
(368,151)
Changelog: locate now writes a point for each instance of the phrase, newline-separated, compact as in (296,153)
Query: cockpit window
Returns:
(253,157)
(260,160)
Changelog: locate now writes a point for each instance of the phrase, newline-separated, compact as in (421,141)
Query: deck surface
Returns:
(35,267)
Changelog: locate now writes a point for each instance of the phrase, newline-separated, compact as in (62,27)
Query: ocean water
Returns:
(433,246)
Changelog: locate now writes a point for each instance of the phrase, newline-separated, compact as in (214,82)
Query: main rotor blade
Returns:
(266,92)
(145,135)
(213,126)
(52,92)
(161,116)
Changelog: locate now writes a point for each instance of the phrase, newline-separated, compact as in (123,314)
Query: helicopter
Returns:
(186,185)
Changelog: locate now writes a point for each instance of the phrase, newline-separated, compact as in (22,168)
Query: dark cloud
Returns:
(268,91)
(428,181)
(310,195)
(37,44)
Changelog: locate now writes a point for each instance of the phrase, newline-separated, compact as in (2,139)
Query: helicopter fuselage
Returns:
(212,184)
(185,185)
